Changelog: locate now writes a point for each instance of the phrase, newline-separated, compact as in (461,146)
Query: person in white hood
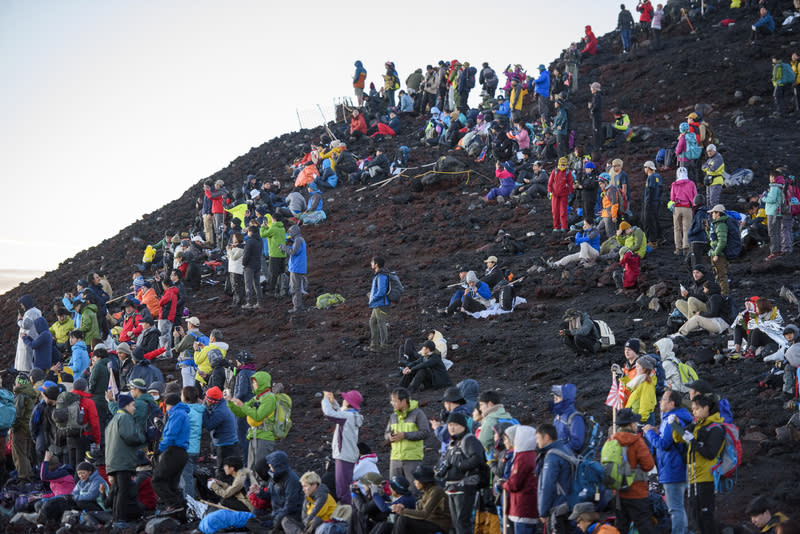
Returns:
(678,374)
(345,437)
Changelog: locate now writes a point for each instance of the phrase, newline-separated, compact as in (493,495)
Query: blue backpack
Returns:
(586,481)
(693,150)
(661,376)
(8,412)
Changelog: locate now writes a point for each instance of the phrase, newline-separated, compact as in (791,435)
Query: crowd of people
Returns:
(98,428)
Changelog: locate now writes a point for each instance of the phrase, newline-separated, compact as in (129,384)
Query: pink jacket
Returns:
(62,482)
(682,193)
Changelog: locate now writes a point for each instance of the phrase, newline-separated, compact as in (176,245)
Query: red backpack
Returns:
(793,199)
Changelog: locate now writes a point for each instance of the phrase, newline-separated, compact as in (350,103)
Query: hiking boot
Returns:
(677,252)
(441,311)
(247,306)
(296,310)
(255,306)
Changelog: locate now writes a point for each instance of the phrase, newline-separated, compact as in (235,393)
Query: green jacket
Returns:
(490,419)
(719,237)
(140,415)
(123,440)
(258,408)
(89,326)
(416,427)
(636,241)
(24,401)
(276,236)
(98,383)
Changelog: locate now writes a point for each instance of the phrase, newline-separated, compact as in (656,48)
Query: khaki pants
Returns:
(587,253)
(21,446)
(208,229)
(689,307)
(681,221)
(379,335)
(712,325)
(721,272)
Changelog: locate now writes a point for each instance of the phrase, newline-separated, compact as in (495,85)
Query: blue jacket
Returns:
(483,289)
(574,434)
(241,385)
(542,83)
(652,190)
(671,456)
(697,233)
(297,251)
(377,296)
(89,490)
(79,361)
(42,344)
(504,109)
(767,21)
(286,493)
(196,412)
(221,424)
(146,371)
(177,428)
(591,236)
(552,470)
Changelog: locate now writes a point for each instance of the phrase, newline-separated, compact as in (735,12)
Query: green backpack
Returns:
(280,422)
(618,472)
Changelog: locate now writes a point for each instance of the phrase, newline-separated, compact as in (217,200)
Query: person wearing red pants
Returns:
(559,188)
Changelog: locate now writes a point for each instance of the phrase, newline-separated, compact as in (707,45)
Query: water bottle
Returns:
(83,416)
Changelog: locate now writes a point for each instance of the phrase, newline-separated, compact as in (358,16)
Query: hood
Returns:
(26,388)
(279,461)
(90,307)
(441,342)
(221,345)
(40,323)
(358,65)
(27,301)
(277,224)
(665,346)
(434,113)
(180,407)
(264,381)
(196,408)
(796,331)
(712,418)
(682,414)
(216,358)
(418,71)
(412,404)
(525,439)
(568,394)
(95,478)
(84,394)
(294,231)
(469,389)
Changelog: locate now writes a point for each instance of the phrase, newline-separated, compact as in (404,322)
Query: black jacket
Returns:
(251,259)
(464,461)
(434,363)
(718,306)
(494,277)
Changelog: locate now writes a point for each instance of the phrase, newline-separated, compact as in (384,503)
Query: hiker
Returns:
(99,377)
(588,243)
(218,196)
(491,412)
(568,421)
(221,425)
(588,521)
(596,113)
(705,438)
(676,374)
(233,494)
(42,345)
(590,42)
(123,438)
(642,386)
(559,189)
(90,435)
(372,507)
(586,186)
(257,410)
(561,127)
(243,373)
(359,78)
(190,396)
(285,492)
(671,456)
(618,131)
(631,238)
(344,443)
(645,9)
(319,506)
(406,431)
(87,492)
(391,82)
(718,238)
(458,295)
(682,194)
(454,402)
(21,441)
(578,332)
(251,264)
(651,203)
(775,207)
(522,482)
(632,503)
(658,16)
(88,325)
(612,200)
(552,471)
(693,294)
(762,323)
(764,27)
(506,187)
(142,367)
(275,235)
(173,455)
(760,512)
(379,304)
(714,168)
(432,513)
(687,150)
(488,79)
(61,328)
(535,185)
(625,26)
(235,250)
(298,280)
(717,317)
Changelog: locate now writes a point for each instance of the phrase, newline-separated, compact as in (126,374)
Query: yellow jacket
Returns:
(201,360)
(699,464)
(642,399)
(61,330)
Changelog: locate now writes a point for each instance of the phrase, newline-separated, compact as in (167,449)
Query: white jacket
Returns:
(345,436)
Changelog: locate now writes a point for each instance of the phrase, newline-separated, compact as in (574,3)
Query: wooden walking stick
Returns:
(505,512)
(684,15)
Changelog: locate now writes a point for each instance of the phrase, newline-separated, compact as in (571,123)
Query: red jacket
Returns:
(89,415)
(638,456)
(522,485)
(560,183)
(646,11)
(131,328)
(169,304)
(591,43)
(217,200)
(630,263)
(358,124)
(146,495)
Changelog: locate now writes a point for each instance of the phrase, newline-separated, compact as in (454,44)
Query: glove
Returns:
(671,419)
(688,437)
(549,196)
(671,205)
(753,28)
(616,369)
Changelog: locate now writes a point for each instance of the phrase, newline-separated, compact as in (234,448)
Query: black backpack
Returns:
(507,294)
(394,289)
(733,247)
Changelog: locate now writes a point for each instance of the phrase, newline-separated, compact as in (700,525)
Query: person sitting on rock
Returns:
(493,274)
(762,323)
(618,131)
(630,263)
(455,300)
(588,243)
(717,317)
(632,238)
(534,186)
(506,184)
(756,226)
(764,27)
(377,168)
(578,332)
(693,298)
(427,372)
(477,295)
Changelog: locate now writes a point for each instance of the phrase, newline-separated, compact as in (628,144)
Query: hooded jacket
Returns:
(774,202)
(276,236)
(24,356)
(380,286)
(286,493)
(169,304)
(705,449)
(591,42)
(24,401)
(670,453)
(89,490)
(221,424)
(318,507)
(176,429)
(670,364)
(718,236)
(638,457)
(463,461)
(131,327)
(490,418)
(196,412)
(432,506)
(296,252)
(146,371)
(360,75)
(414,424)
(522,484)
(42,344)
(90,418)
(61,479)
(345,436)
(98,382)
(572,433)
(552,471)
(258,408)
(251,259)
(89,326)
(203,363)
(434,363)
(123,440)
(682,192)
(636,241)
(642,399)
(61,329)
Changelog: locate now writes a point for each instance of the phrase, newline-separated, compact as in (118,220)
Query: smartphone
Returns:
(682,288)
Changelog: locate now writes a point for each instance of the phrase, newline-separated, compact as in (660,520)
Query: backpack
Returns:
(661,156)
(687,373)
(67,415)
(506,298)
(661,376)
(693,149)
(725,410)
(394,289)
(787,75)
(592,435)
(329,300)
(731,457)
(793,199)
(739,177)
(280,422)
(618,474)
(152,425)
(606,336)
(8,412)
(586,480)
(734,245)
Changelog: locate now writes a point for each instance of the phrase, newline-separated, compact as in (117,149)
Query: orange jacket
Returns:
(638,456)
(148,297)
(611,199)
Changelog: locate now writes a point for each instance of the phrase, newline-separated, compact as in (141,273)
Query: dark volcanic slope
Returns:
(424,235)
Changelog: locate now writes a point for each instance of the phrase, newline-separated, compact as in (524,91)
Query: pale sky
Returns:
(109,110)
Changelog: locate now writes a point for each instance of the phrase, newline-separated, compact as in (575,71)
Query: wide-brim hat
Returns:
(627,416)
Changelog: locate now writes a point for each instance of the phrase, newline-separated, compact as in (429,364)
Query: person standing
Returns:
(596,113)
(681,197)
(406,431)
(651,203)
(488,80)
(671,457)
(714,168)
(173,453)
(276,236)
(658,16)
(298,267)
(345,437)
(522,483)
(462,469)
(718,237)
(98,385)
(123,439)
(645,9)
(632,504)
(559,188)
(552,471)
(251,262)
(379,304)
(625,27)
(261,406)
(359,78)
(221,425)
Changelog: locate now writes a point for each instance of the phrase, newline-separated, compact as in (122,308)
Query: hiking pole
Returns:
(325,124)
(119,297)
(505,511)
(748,379)
(684,15)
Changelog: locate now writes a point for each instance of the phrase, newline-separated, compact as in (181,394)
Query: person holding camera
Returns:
(345,437)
